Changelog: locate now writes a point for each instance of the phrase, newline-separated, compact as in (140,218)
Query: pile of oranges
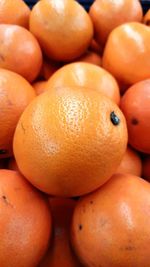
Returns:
(74,134)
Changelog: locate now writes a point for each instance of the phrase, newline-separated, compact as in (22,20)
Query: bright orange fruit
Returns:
(78,139)
(110,227)
(25,222)
(63,28)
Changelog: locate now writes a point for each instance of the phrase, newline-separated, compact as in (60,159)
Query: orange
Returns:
(146,19)
(14,12)
(110,227)
(131,163)
(19,51)
(63,28)
(48,68)
(86,75)
(25,222)
(91,57)
(40,87)
(127,53)
(15,94)
(12,165)
(77,139)
(146,168)
(60,253)
(107,15)
(135,105)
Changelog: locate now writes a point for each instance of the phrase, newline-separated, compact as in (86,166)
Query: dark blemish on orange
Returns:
(80,227)
(2,58)
(24,130)
(134,121)
(91,202)
(114,118)
(3,151)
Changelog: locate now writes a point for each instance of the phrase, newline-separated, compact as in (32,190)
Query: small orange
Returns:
(48,68)
(107,15)
(86,75)
(25,222)
(110,227)
(127,53)
(15,94)
(40,87)
(60,253)
(12,165)
(91,57)
(146,168)
(146,19)
(69,141)
(131,163)
(19,51)
(135,105)
(63,28)
(14,12)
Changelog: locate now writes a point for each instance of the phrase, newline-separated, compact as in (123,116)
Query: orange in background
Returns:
(14,12)
(15,95)
(60,253)
(19,51)
(131,163)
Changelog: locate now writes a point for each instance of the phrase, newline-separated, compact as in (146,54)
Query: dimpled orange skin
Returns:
(63,29)
(112,224)
(25,222)
(91,57)
(131,163)
(107,15)
(60,252)
(19,51)
(65,142)
(146,168)
(14,12)
(40,87)
(135,105)
(86,75)
(15,94)
(127,53)
(146,19)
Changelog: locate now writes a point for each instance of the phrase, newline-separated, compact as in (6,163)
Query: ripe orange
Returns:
(48,68)
(146,168)
(63,28)
(12,165)
(14,12)
(40,87)
(86,75)
(19,51)
(131,163)
(135,105)
(110,227)
(127,53)
(107,15)
(91,57)
(146,19)
(25,222)
(69,141)
(15,94)
(60,253)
